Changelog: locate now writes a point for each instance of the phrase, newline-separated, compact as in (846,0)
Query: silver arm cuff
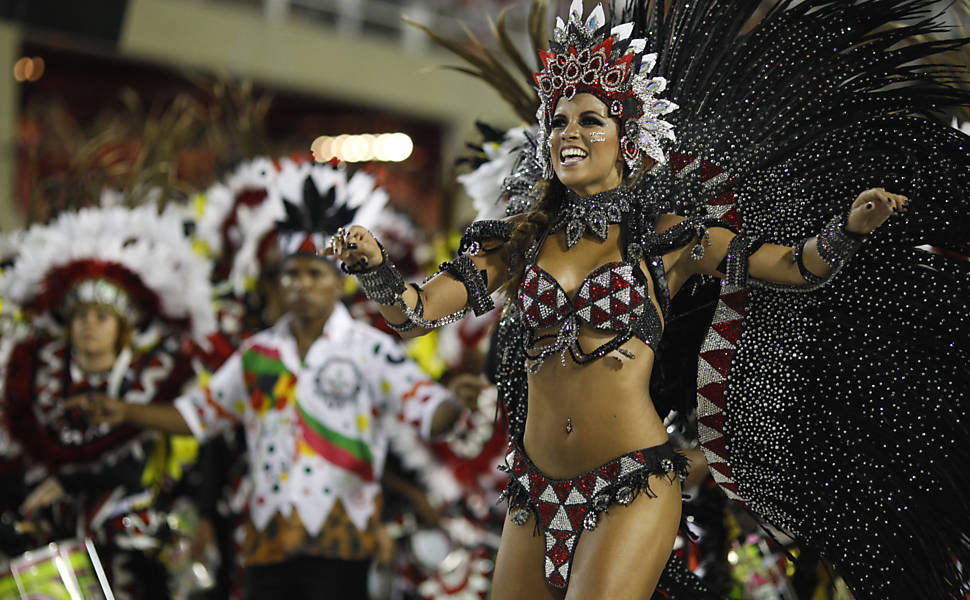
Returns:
(465,271)
(383,284)
(736,262)
(835,245)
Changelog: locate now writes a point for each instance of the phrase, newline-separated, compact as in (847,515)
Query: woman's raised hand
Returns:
(872,208)
(356,247)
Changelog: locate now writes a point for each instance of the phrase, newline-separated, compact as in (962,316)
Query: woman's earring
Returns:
(545,162)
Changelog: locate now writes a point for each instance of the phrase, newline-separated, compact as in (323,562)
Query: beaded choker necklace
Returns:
(593,213)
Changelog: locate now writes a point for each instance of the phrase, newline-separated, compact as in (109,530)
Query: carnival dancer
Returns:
(317,394)
(114,296)
(593,271)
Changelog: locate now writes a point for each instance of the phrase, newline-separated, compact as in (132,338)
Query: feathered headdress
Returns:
(137,261)
(239,212)
(592,57)
(290,201)
(323,199)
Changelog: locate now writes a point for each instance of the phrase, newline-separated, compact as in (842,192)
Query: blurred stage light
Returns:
(28,69)
(20,69)
(355,149)
(367,147)
(394,147)
(38,69)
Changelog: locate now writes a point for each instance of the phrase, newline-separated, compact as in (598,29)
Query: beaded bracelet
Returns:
(416,315)
(835,244)
(465,271)
(383,284)
(401,327)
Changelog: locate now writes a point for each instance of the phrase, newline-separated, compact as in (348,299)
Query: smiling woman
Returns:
(584,145)
(593,271)
(627,214)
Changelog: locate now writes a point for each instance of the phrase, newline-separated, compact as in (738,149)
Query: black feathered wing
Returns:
(839,415)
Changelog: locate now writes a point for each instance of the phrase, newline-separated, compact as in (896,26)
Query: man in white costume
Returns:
(317,394)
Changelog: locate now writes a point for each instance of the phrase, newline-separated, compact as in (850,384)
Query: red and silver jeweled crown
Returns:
(590,57)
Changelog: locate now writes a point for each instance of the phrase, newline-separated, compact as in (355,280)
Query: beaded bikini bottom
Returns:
(564,508)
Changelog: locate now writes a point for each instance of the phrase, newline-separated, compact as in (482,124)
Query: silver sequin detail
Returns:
(520,516)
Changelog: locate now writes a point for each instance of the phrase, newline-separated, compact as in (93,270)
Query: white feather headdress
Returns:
(301,202)
(141,252)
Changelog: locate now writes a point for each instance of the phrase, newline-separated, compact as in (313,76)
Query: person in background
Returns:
(316,394)
(114,318)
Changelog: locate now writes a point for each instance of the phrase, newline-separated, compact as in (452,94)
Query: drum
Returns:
(68,570)
(8,587)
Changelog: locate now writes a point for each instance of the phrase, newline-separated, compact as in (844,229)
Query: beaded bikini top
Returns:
(609,299)
(614,297)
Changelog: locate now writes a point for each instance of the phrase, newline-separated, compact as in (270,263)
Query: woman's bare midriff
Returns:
(607,403)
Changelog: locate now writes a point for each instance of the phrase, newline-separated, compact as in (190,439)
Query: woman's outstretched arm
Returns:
(413,310)
(811,263)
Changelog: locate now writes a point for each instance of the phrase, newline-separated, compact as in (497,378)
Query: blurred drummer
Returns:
(110,319)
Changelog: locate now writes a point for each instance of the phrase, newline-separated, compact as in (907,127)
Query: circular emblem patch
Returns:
(338,382)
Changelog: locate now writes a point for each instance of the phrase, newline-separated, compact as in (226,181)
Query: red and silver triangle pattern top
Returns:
(609,299)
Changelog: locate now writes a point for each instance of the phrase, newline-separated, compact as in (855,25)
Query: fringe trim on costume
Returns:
(623,491)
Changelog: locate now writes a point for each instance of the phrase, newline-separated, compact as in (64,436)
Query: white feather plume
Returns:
(150,245)
(484,184)
(217,204)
